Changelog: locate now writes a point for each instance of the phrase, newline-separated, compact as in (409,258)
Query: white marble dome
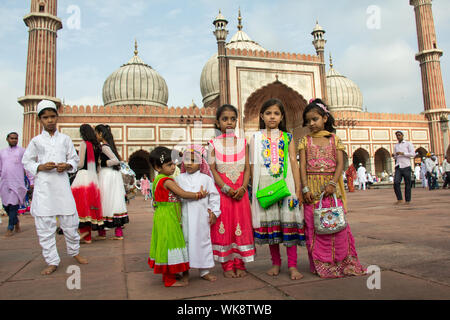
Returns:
(343,93)
(209,79)
(135,83)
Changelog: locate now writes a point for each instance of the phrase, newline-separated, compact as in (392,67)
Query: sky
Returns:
(373,43)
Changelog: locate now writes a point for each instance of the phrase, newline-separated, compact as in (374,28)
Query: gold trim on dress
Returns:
(221,228)
(238,231)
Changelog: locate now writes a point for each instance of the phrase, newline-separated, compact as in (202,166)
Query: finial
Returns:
(276,77)
(331,61)
(239,20)
(135,47)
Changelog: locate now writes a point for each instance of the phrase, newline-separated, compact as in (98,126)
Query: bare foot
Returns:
(80,259)
(83,235)
(49,270)
(98,238)
(295,275)
(185,277)
(240,273)
(398,202)
(274,271)
(17,228)
(229,274)
(209,277)
(179,284)
(117,238)
(407,202)
(85,241)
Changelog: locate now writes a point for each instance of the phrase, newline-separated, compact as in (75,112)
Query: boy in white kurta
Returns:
(49,157)
(198,216)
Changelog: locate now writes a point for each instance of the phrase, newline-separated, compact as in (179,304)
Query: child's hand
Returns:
(212,217)
(239,193)
(61,167)
(329,190)
(308,197)
(299,195)
(47,166)
(202,193)
(231,192)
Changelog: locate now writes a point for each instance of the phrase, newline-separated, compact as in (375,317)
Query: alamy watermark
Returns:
(74,20)
(373,21)
(374,280)
(74,280)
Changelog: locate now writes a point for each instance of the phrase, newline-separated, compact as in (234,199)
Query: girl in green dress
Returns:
(168,253)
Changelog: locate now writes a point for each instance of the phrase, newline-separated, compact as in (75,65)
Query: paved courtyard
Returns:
(410,244)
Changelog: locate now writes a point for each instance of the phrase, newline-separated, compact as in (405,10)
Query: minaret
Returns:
(221,35)
(319,45)
(432,85)
(40,82)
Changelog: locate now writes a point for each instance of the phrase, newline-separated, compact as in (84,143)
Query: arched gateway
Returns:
(294,104)
(139,163)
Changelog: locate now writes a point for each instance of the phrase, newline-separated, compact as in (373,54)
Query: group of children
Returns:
(95,201)
(205,214)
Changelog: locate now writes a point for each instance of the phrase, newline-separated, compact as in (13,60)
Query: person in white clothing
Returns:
(198,216)
(446,170)
(361,172)
(49,157)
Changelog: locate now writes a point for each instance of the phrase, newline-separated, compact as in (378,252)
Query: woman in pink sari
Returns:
(321,165)
(232,234)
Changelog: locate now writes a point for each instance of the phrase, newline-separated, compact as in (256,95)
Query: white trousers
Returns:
(362,186)
(46,230)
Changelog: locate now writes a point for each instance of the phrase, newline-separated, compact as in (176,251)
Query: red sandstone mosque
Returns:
(244,74)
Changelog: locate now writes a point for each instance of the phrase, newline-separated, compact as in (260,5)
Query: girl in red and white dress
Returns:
(232,234)
(85,188)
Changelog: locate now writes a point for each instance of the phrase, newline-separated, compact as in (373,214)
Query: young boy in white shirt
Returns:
(49,157)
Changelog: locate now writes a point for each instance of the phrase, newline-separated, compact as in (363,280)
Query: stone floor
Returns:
(410,244)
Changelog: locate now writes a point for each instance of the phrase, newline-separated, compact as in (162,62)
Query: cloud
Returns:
(174,13)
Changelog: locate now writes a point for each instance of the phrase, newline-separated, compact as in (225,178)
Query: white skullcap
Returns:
(45,104)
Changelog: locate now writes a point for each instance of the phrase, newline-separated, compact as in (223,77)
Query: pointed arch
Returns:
(293,102)
(139,162)
(382,161)
(362,156)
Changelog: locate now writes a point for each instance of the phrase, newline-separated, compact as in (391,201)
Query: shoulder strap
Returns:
(286,159)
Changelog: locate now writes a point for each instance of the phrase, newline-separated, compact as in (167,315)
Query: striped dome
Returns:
(135,83)
(343,93)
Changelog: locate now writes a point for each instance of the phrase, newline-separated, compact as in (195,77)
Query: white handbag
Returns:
(329,220)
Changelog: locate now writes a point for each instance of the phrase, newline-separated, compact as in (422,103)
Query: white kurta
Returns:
(52,195)
(362,174)
(195,218)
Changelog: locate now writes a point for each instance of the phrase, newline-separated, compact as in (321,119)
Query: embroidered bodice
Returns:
(162,194)
(230,159)
(320,159)
(272,152)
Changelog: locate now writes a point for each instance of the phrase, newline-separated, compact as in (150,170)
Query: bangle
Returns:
(306,189)
(225,188)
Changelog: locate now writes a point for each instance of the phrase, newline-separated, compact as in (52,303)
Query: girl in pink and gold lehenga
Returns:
(232,234)
(321,165)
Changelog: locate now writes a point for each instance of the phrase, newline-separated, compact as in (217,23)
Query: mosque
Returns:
(245,74)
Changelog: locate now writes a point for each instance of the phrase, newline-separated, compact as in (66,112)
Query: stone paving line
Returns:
(409,243)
